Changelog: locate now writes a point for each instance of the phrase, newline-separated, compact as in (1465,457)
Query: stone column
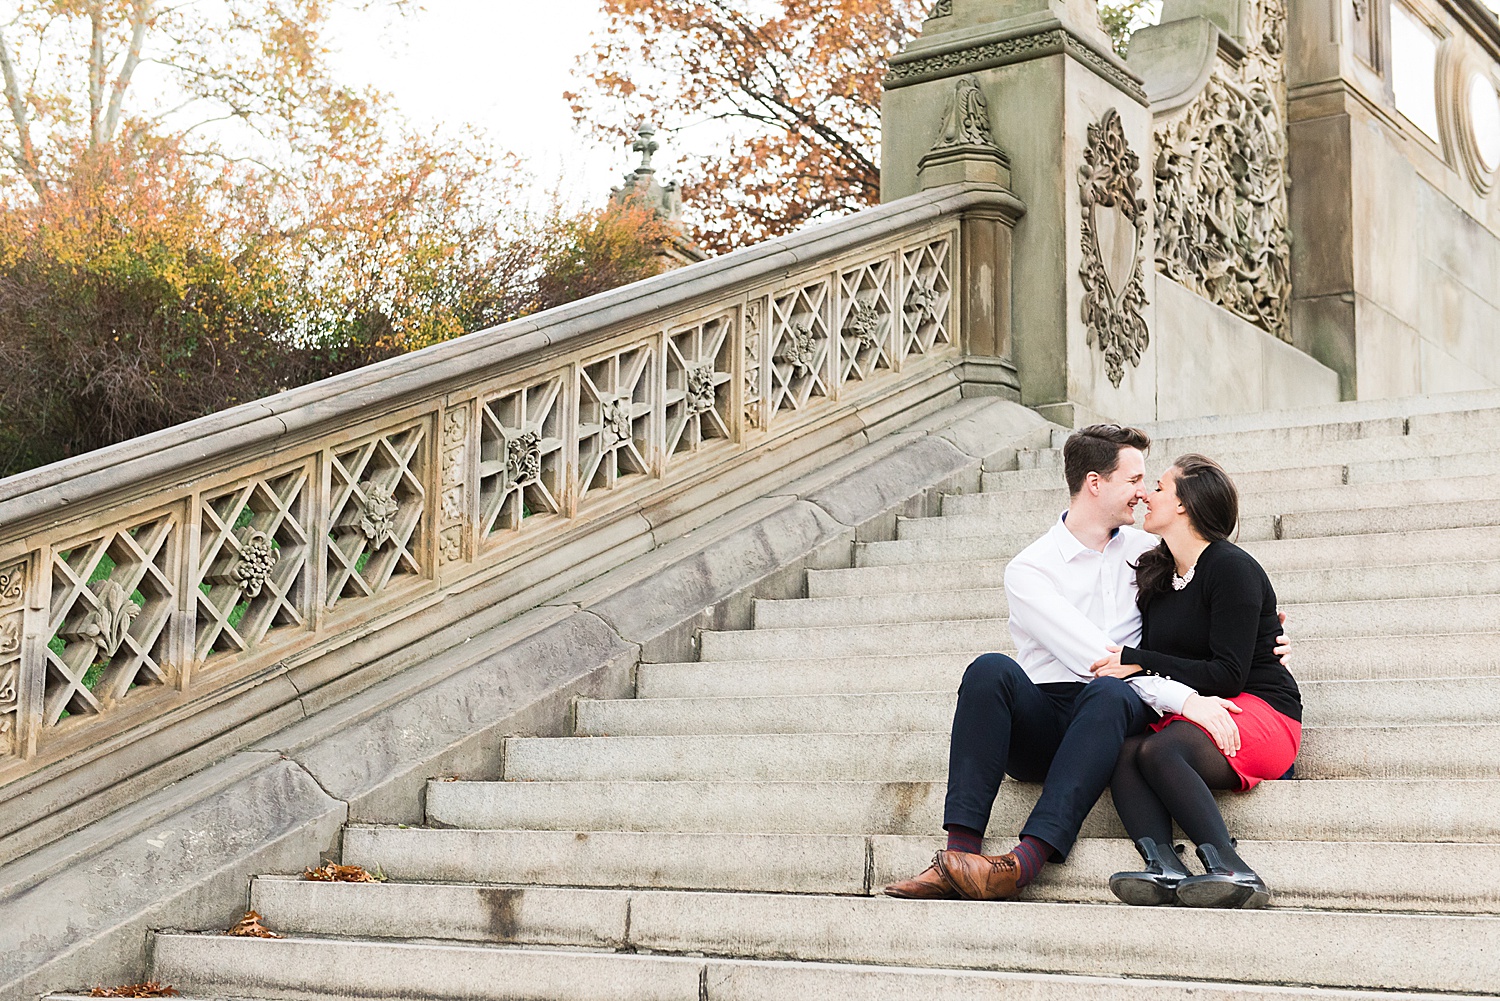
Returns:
(1074,121)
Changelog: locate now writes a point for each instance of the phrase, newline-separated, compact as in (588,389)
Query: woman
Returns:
(1208,620)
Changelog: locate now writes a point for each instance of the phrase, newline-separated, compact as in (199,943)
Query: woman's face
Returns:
(1162,506)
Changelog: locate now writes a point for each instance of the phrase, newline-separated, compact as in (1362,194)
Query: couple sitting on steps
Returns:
(1154,668)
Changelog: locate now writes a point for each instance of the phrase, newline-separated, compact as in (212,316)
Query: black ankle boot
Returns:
(1223,885)
(1157,884)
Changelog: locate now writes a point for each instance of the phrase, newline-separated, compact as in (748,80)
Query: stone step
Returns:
(881,754)
(1322,810)
(957,619)
(316,968)
(1425,580)
(1392,951)
(1245,457)
(1318,618)
(1418,517)
(1337,658)
(998,506)
(1440,545)
(1454,878)
(942,672)
(1030,523)
(1327,703)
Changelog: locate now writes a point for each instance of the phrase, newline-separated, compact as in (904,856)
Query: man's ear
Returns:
(1091,483)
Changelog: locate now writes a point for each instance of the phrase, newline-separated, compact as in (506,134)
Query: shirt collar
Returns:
(1068,545)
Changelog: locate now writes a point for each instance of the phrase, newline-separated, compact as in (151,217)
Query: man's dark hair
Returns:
(1096,449)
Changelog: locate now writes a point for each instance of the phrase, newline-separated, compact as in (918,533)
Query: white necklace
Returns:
(1180,581)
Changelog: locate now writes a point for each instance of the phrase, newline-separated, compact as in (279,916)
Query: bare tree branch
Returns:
(25,154)
(140,21)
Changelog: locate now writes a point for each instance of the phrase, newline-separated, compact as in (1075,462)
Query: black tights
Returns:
(1168,775)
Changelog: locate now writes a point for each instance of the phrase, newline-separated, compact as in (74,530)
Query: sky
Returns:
(500,65)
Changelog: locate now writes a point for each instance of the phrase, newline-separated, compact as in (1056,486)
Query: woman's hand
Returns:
(1214,715)
(1283,645)
(1110,667)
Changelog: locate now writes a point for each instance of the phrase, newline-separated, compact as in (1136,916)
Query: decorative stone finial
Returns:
(965,149)
(646,145)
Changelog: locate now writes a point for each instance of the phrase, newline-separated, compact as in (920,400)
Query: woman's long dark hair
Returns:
(1213,507)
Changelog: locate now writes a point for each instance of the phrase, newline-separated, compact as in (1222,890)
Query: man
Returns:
(1046,716)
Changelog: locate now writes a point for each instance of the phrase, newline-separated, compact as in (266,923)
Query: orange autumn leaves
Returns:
(789,88)
(194,213)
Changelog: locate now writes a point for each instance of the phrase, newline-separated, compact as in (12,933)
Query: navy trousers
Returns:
(1066,736)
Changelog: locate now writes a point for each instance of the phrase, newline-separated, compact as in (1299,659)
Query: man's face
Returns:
(1120,491)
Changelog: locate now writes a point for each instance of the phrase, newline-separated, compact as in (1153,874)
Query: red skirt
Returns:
(1268,740)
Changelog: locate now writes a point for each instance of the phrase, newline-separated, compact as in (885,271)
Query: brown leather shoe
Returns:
(981,877)
(929,884)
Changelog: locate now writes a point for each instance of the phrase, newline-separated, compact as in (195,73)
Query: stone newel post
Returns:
(1075,128)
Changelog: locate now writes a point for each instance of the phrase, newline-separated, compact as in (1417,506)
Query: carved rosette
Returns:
(257,560)
(1113,222)
(523,457)
(1220,178)
(377,513)
(617,420)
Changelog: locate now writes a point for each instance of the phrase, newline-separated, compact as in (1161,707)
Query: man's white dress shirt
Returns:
(1067,602)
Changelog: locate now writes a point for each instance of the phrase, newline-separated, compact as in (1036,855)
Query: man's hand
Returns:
(1110,666)
(1283,645)
(1213,714)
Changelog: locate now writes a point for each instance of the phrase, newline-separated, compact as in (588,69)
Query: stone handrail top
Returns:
(181,450)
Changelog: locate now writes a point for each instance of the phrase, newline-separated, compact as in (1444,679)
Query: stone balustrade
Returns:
(149,582)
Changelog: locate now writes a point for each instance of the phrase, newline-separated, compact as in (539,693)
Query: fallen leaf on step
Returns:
(250,926)
(332,872)
(149,989)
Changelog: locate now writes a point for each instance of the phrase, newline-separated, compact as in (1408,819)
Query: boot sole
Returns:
(1141,892)
(1215,893)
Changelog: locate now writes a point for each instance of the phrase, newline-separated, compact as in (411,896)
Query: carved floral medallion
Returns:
(523,457)
(104,625)
(1113,233)
(799,349)
(377,513)
(863,325)
(257,559)
(701,388)
(615,418)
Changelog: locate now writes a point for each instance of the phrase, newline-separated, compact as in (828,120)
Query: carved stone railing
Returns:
(149,579)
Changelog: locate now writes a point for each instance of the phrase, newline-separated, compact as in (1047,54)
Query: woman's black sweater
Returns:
(1218,634)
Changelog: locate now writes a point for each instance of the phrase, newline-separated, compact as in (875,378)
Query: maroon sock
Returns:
(964,839)
(1031,853)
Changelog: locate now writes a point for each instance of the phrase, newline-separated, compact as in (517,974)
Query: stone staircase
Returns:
(724,836)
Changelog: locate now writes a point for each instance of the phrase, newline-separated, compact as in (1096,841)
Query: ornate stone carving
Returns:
(257,560)
(799,349)
(451,545)
(615,418)
(1113,218)
(923,300)
(377,513)
(106,624)
(523,457)
(1012,50)
(10,637)
(701,387)
(12,585)
(1220,178)
(864,324)
(967,121)
(8,704)
(943,8)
